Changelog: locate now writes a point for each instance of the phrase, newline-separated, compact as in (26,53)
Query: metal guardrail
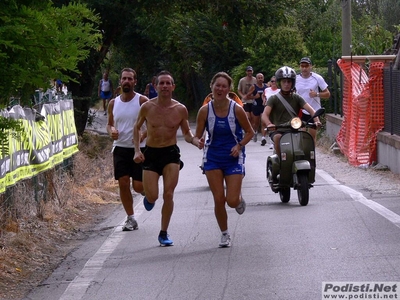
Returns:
(392,100)
(335,83)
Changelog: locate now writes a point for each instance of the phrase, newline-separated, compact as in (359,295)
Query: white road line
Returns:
(357,196)
(78,287)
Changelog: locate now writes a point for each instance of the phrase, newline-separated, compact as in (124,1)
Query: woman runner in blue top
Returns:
(224,152)
(150,90)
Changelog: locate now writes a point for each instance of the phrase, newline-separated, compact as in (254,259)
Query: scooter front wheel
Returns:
(303,188)
(284,193)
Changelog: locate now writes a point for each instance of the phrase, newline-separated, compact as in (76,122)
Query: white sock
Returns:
(225,232)
(131,217)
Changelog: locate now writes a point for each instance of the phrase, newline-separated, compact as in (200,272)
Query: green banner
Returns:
(45,141)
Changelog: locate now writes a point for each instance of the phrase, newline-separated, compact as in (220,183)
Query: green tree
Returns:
(39,42)
(319,23)
(194,39)
(273,48)
(390,9)
(370,31)
(197,39)
(369,37)
(113,16)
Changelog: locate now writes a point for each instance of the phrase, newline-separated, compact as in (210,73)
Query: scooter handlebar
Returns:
(273,127)
(287,125)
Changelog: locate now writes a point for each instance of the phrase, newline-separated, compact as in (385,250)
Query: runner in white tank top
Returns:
(122,114)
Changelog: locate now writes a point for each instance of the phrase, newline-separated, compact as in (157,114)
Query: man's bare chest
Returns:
(168,118)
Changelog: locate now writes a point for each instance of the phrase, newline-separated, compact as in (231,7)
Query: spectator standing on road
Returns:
(161,156)
(122,114)
(256,93)
(224,152)
(150,90)
(312,87)
(275,113)
(105,90)
(268,92)
(243,89)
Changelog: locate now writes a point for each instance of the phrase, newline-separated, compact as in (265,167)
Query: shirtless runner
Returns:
(161,156)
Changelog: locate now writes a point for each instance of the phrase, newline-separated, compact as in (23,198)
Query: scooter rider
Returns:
(275,111)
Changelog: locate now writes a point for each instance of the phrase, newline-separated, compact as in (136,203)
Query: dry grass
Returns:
(38,229)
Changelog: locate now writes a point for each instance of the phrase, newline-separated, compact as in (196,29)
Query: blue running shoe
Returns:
(147,205)
(164,240)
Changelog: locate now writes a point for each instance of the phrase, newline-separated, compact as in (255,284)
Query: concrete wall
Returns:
(388,151)
(333,124)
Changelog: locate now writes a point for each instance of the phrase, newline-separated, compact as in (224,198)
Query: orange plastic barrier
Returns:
(363,112)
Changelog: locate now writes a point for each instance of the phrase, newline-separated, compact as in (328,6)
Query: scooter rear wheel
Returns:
(303,189)
(284,193)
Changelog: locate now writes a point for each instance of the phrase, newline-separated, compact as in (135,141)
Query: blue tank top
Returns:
(261,91)
(223,134)
(152,92)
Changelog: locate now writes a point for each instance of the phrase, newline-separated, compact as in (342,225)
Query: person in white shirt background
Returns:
(268,92)
(105,91)
(312,87)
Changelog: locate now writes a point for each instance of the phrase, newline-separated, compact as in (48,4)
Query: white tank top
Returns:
(105,85)
(125,115)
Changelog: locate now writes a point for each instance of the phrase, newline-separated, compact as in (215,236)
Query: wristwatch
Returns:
(318,94)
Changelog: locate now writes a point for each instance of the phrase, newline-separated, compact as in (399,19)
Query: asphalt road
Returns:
(279,251)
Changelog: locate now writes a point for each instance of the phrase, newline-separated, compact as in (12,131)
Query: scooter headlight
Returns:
(296,123)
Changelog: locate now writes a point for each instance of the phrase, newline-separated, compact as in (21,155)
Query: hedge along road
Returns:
(279,251)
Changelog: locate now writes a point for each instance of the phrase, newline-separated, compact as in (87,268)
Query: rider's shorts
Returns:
(273,133)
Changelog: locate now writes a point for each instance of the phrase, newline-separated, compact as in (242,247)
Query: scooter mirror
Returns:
(318,113)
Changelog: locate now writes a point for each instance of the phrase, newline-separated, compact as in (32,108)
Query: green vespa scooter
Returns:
(295,167)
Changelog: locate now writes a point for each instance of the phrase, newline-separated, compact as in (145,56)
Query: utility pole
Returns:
(346,27)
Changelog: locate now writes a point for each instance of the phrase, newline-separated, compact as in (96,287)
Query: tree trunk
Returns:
(81,95)
(83,87)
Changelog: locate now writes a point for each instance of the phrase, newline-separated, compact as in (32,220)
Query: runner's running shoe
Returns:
(164,240)
(130,224)
(147,205)
(225,240)
(241,207)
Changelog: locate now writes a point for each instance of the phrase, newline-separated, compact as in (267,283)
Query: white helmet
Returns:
(285,72)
